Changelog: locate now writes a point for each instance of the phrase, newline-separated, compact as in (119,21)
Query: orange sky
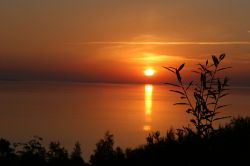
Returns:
(115,40)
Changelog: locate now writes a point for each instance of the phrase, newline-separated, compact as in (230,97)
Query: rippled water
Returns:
(70,112)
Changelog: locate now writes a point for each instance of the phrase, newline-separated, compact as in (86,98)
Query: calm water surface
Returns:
(70,112)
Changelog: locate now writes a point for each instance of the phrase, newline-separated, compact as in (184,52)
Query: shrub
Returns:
(207,93)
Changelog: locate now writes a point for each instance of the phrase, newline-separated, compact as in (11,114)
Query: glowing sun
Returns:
(149,72)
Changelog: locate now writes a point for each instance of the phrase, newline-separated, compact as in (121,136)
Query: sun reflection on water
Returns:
(146,127)
(148,106)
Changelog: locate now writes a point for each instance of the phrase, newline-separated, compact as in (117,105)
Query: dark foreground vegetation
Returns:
(226,146)
(200,145)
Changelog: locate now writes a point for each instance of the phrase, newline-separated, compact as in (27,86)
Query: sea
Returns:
(69,112)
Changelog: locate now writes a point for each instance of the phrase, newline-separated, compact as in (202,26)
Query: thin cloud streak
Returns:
(162,43)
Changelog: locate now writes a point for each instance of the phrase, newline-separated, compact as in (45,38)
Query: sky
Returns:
(116,40)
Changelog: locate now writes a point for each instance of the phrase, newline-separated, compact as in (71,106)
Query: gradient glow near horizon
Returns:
(115,40)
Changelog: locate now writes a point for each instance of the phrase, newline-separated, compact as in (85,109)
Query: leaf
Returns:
(191,83)
(222,106)
(222,56)
(215,60)
(181,104)
(176,91)
(178,76)
(209,116)
(195,71)
(193,121)
(203,67)
(223,95)
(224,117)
(168,69)
(167,83)
(181,67)
(189,110)
(224,68)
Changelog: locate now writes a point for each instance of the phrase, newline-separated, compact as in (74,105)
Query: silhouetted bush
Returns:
(207,93)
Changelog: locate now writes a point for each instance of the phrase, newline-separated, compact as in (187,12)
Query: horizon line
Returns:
(160,43)
(101,82)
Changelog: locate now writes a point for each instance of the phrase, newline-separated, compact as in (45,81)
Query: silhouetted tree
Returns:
(57,155)
(119,157)
(5,148)
(33,152)
(75,157)
(7,155)
(103,154)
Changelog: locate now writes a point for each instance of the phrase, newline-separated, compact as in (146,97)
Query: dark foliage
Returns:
(7,155)
(228,145)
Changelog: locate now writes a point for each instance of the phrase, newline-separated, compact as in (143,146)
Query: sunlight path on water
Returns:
(148,106)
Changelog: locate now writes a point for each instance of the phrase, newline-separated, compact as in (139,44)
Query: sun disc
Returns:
(149,72)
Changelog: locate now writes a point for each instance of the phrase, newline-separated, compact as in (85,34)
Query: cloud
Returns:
(150,57)
(156,58)
(163,43)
